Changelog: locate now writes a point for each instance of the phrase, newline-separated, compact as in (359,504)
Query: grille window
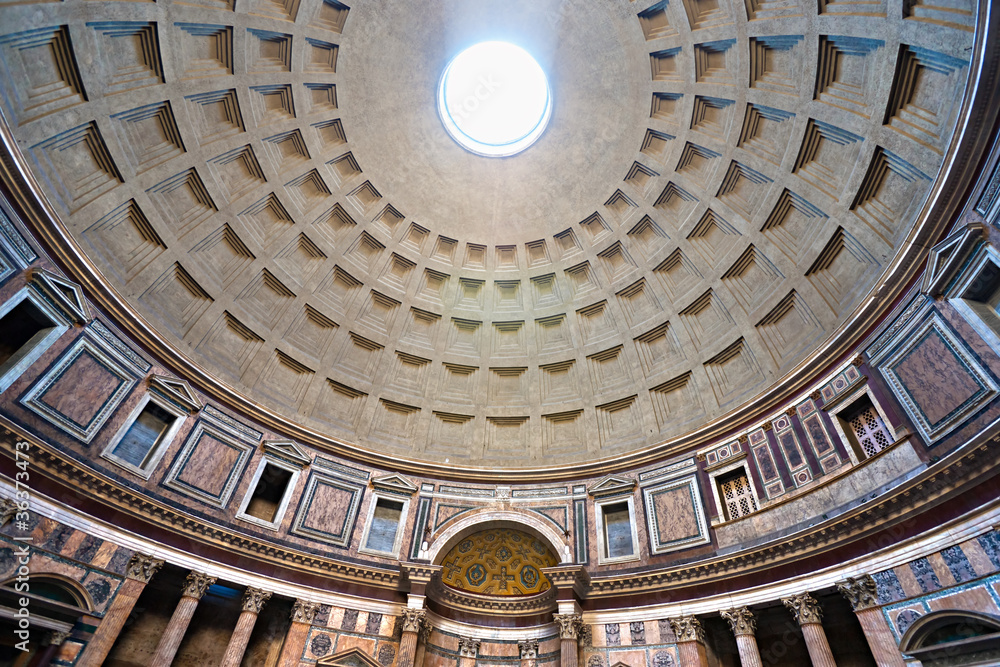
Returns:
(865,427)
(737,497)
(144,435)
(617,531)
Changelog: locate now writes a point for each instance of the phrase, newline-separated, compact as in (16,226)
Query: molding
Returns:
(611,485)
(175,391)
(287,451)
(949,256)
(395,484)
(64,294)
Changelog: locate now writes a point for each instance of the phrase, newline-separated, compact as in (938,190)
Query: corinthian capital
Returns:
(196,584)
(569,625)
(862,592)
(688,629)
(804,608)
(254,599)
(142,567)
(414,619)
(528,648)
(304,612)
(468,647)
(741,620)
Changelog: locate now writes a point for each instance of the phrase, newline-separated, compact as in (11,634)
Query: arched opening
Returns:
(953,637)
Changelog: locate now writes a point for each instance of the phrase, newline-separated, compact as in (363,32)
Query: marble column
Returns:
(690,641)
(295,639)
(194,588)
(253,601)
(140,570)
(809,616)
(468,648)
(529,652)
(744,625)
(569,629)
(862,593)
(413,620)
(423,639)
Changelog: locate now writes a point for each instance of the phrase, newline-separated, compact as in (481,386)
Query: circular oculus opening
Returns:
(494,99)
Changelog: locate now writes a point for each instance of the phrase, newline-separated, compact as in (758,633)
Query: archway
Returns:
(953,637)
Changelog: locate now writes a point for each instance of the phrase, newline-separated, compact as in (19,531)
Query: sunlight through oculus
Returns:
(494,99)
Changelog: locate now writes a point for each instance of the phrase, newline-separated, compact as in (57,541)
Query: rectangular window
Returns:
(736,493)
(265,501)
(617,531)
(144,435)
(864,427)
(384,525)
(26,331)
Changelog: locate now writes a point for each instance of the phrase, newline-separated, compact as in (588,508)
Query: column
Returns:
(423,638)
(253,601)
(744,625)
(690,641)
(862,593)
(141,569)
(529,652)
(809,615)
(468,648)
(569,628)
(295,639)
(194,587)
(413,620)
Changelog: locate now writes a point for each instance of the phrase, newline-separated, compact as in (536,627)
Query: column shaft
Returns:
(238,642)
(692,654)
(172,636)
(879,638)
(407,649)
(466,661)
(114,620)
(295,644)
(749,655)
(819,648)
(567,652)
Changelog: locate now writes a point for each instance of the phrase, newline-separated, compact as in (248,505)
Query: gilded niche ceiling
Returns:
(268,185)
(500,561)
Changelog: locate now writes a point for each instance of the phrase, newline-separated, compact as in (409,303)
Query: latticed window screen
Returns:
(868,428)
(737,496)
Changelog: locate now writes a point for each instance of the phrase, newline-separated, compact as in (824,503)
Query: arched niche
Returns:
(455,531)
(953,637)
(58,588)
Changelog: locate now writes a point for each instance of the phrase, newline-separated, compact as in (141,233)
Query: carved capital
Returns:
(56,637)
(569,625)
(741,620)
(862,592)
(424,633)
(528,648)
(792,411)
(767,426)
(304,612)
(858,361)
(816,396)
(586,635)
(804,608)
(254,599)
(468,647)
(688,629)
(414,619)
(196,584)
(142,567)
(8,510)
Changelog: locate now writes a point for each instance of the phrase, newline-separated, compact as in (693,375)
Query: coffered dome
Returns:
(263,193)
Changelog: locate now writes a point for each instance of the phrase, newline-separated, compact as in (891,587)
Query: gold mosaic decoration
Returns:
(501,561)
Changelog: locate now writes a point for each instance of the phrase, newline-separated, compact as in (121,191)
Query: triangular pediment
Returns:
(612,485)
(395,483)
(946,258)
(176,391)
(288,451)
(352,657)
(65,295)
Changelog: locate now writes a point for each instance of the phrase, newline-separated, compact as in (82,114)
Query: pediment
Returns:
(395,483)
(350,658)
(65,295)
(946,258)
(175,391)
(287,451)
(612,485)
